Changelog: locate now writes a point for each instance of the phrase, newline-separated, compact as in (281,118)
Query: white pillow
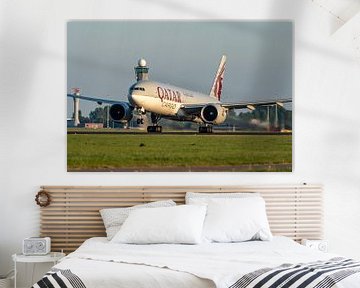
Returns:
(236,220)
(113,218)
(180,224)
(204,198)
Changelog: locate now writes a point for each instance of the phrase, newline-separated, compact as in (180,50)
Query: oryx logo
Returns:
(219,82)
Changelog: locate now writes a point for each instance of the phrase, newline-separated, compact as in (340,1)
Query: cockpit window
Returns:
(132,88)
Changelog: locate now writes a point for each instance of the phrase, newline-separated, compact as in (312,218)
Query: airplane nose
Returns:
(131,98)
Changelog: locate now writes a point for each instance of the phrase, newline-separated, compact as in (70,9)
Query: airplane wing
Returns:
(191,109)
(100,101)
(196,108)
(254,104)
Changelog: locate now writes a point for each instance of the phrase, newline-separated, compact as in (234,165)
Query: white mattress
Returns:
(102,264)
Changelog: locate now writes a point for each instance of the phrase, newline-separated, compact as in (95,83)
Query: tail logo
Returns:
(219,83)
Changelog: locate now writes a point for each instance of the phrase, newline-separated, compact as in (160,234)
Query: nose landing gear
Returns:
(140,112)
(140,121)
(155,128)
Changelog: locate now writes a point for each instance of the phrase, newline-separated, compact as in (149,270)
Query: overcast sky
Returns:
(102,55)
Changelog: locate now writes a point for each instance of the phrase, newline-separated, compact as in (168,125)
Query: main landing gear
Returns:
(155,128)
(205,129)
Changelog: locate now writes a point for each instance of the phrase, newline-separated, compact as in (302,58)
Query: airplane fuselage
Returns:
(165,100)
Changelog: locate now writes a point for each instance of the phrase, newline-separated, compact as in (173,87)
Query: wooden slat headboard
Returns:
(73,214)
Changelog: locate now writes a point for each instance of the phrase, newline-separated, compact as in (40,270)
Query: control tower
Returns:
(76,92)
(142,71)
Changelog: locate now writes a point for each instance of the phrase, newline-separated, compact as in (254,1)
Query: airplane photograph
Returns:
(123,115)
(174,103)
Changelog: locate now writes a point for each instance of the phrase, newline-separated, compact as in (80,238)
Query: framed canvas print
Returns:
(179,96)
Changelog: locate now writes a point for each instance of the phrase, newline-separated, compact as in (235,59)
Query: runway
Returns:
(215,133)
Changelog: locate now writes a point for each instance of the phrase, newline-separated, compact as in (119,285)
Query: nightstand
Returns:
(53,257)
(320,245)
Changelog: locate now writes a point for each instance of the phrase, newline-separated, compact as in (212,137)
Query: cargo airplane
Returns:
(174,103)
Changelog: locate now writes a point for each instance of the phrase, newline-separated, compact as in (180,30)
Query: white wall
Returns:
(33,109)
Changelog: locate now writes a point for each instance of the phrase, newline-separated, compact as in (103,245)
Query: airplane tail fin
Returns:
(219,78)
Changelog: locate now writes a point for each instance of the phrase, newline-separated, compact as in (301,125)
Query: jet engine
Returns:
(121,112)
(213,114)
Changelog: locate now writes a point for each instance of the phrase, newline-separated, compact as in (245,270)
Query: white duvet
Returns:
(100,263)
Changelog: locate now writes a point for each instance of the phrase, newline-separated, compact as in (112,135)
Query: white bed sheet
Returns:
(100,263)
(111,274)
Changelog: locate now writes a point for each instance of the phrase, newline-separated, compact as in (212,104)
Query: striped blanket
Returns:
(320,274)
(59,278)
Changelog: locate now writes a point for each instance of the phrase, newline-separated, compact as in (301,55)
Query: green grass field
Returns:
(144,152)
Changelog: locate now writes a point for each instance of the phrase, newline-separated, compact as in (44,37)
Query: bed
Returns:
(294,213)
